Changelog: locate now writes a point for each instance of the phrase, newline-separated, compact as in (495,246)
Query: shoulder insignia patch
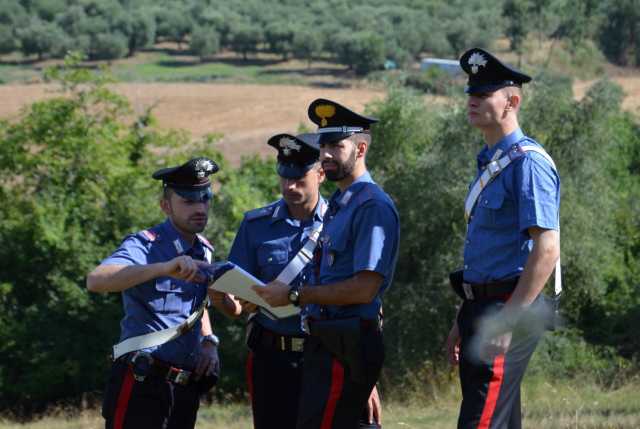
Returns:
(149,234)
(261,212)
(204,241)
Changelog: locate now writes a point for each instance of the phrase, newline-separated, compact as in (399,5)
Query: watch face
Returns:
(294,296)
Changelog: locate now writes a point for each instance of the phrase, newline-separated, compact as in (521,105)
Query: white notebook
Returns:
(238,283)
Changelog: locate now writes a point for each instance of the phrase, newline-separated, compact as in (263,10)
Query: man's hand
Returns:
(275,293)
(374,410)
(248,307)
(224,302)
(495,346)
(453,344)
(183,268)
(207,360)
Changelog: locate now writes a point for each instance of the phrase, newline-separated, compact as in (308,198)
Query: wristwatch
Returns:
(294,296)
(211,338)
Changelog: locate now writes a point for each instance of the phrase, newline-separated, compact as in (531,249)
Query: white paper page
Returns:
(238,282)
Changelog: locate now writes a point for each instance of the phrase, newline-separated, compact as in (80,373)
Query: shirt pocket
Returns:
(272,258)
(494,210)
(174,295)
(334,251)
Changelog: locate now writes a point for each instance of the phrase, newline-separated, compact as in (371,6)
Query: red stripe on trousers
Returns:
(493,392)
(337,381)
(123,399)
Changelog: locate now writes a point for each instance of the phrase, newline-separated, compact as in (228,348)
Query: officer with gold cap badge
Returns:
(511,248)
(344,353)
(167,356)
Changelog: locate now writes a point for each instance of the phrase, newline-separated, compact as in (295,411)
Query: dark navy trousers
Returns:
(150,404)
(491,389)
(330,398)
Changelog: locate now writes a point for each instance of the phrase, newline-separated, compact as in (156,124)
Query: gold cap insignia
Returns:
(325,111)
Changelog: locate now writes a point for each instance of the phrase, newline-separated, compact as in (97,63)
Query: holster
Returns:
(341,337)
(456,278)
(552,311)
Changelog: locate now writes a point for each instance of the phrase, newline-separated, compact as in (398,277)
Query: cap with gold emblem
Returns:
(296,154)
(487,73)
(336,122)
(189,180)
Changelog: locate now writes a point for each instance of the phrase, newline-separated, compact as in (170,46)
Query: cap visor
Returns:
(491,87)
(204,194)
(293,171)
(328,138)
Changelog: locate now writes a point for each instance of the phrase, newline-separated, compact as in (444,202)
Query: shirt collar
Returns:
(343,198)
(504,144)
(177,242)
(281,211)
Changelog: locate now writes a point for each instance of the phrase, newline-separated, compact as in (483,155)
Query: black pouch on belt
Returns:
(342,338)
(456,278)
(552,311)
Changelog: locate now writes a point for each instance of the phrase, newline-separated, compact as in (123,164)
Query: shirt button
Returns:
(466,266)
(486,202)
(270,259)
(468,241)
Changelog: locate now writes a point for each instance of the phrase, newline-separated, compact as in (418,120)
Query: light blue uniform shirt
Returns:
(525,194)
(361,233)
(267,240)
(163,302)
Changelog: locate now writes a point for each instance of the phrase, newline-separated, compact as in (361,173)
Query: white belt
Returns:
(157,338)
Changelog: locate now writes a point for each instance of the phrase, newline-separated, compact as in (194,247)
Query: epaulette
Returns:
(147,235)
(261,212)
(205,242)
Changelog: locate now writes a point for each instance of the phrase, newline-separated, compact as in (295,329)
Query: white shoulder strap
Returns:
(158,338)
(492,170)
(305,254)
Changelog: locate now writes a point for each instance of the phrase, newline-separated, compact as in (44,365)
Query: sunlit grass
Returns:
(546,404)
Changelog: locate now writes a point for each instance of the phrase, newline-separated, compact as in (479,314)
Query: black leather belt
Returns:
(490,290)
(145,365)
(283,343)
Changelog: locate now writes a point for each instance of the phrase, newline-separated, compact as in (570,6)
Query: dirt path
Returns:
(247,115)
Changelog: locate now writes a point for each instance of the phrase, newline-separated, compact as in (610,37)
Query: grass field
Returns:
(577,404)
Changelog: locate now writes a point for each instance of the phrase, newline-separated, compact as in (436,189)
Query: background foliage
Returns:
(359,34)
(75,179)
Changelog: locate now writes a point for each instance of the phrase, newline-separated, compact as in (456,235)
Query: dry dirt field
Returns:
(246,115)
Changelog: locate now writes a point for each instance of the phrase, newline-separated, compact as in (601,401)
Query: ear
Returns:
(513,102)
(361,148)
(321,175)
(165,205)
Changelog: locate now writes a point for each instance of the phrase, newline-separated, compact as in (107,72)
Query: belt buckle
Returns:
(178,376)
(494,168)
(297,344)
(468,291)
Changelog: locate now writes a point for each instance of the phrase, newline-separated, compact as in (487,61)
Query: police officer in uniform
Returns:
(510,251)
(268,238)
(158,273)
(343,356)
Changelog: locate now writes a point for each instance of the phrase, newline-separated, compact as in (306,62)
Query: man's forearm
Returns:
(359,289)
(537,270)
(116,278)
(205,325)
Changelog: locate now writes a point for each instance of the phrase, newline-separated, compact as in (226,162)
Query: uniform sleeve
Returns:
(538,193)
(131,252)
(375,238)
(241,252)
